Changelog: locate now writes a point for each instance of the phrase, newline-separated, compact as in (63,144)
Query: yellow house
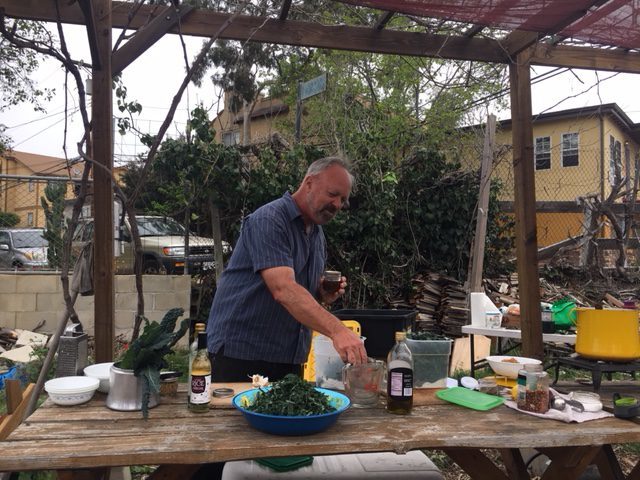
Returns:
(23,178)
(576,153)
(263,116)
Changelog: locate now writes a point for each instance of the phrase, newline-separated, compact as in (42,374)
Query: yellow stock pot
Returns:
(610,334)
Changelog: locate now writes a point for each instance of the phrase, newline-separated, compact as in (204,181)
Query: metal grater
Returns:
(72,351)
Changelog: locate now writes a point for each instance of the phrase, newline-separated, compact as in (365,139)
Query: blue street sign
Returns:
(313,87)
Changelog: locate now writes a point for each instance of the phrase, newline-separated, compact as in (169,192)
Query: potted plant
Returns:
(135,378)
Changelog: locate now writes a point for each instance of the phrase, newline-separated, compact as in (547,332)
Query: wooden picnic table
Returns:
(92,437)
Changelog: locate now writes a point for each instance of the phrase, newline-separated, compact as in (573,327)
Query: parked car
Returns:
(163,246)
(23,249)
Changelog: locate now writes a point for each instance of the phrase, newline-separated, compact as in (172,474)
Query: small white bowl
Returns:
(71,390)
(101,372)
(506,366)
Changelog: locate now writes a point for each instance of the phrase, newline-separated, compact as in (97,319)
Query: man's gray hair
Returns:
(323,163)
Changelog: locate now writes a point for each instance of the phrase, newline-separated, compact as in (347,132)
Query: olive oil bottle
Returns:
(400,377)
(200,381)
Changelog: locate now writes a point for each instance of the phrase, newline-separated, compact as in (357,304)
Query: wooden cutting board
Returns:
(421,396)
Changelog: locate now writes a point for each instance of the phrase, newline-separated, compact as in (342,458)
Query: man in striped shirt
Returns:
(269,297)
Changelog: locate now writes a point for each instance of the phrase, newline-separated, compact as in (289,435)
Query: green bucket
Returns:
(563,314)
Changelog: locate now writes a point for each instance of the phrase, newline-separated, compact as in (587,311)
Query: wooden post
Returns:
(483,206)
(102,146)
(525,207)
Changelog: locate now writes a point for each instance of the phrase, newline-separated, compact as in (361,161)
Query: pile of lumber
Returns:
(441,302)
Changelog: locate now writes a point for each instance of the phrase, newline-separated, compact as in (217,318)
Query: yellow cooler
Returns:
(610,334)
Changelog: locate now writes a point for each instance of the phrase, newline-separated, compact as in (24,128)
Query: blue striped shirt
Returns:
(244,317)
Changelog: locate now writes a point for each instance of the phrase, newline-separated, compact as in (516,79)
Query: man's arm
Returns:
(305,309)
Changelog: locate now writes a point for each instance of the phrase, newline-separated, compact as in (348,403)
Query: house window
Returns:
(542,153)
(30,219)
(570,149)
(31,186)
(615,159)
(231,138)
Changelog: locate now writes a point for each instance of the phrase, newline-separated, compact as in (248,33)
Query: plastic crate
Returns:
(379,327)
(309,368)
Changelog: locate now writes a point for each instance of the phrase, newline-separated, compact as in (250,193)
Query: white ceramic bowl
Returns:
(71,390)
(505,366)
(101,372)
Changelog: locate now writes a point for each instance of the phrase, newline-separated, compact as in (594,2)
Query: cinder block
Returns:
(48,301)
(158,283)
(85,303)
(8,319)
(18,302)
(124,319)
(39,284)
(181,283)
(166,301)
(30,320)
(125,283)
(8,283)
(129,301)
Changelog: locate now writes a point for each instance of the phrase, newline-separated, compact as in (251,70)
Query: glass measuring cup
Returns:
(362,382)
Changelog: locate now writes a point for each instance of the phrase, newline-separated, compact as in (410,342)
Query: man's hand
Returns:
(330,297)
(349,346)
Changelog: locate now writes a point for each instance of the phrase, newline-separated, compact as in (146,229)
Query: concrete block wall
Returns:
(28,299)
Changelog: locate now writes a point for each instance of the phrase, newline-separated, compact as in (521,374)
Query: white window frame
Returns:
(233,135)
(542,153)
(570,143)
(30,219)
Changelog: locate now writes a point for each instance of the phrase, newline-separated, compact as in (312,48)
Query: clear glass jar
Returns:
(521,392)
(537,389)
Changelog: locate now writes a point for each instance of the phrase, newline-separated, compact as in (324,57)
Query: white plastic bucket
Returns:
(328,364)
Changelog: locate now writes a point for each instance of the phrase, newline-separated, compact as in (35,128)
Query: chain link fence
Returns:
(32,221)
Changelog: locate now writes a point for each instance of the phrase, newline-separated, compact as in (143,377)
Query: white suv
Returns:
(163,246)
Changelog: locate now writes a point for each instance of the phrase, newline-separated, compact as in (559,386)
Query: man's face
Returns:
(326,194)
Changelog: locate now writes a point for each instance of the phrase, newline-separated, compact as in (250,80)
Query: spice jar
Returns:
(536,390)
(489,386)
(521,391)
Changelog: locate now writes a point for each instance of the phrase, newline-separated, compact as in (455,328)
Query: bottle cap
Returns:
(400,336)
(199,326)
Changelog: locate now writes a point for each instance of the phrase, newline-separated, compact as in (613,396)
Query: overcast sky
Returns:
(154,78)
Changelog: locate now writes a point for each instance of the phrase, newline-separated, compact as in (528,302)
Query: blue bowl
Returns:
(291,425)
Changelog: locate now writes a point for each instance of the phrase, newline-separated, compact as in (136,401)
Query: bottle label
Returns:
(401,382)
(200,389)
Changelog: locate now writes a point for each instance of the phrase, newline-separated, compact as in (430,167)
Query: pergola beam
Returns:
(147,36)
(292,32)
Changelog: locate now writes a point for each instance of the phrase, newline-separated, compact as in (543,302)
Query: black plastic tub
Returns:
(379,326)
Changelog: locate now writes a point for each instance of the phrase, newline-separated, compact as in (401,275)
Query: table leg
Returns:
(568,463)
(475,464)
(101,473)
(472,349)
(608,465)
(174,472)
(596,376)
(514,463)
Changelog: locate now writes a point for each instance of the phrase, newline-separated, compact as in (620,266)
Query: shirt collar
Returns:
(294,212)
